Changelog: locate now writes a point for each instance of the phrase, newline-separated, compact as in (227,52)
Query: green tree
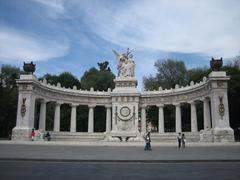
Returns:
(101,79)
(66,79)
(197,74)
(169,73)
(8,99)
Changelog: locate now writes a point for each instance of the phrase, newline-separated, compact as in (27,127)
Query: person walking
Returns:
(148,142)
(179,140)
(183,140)
(33,135)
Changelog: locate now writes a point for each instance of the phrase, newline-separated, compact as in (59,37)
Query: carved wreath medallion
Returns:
(125,111)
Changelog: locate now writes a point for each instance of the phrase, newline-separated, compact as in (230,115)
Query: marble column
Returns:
(143,119)
(194,125)
(114,118)
(160,118)
(91,118)
(178,117)
(42,118)
(56,126)
(73,118)
(108,118)
(206,114)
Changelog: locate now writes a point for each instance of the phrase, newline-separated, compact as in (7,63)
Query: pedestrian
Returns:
(179,140)
(48,136)
(148,142)
(183,140)
(33,134)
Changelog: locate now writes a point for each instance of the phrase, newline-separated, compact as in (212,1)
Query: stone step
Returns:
(78,136)
(172,137)
(94,137)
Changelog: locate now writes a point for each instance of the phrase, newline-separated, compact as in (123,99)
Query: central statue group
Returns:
(126,64)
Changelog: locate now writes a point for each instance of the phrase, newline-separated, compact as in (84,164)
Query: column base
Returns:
(21,134)
(217,135)
(223,135)
(206,135)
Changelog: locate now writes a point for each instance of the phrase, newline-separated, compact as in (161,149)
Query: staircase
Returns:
(172,137)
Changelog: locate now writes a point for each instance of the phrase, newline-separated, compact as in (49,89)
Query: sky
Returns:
(74,35)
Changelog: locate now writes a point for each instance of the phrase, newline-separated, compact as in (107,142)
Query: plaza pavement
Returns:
(118,152)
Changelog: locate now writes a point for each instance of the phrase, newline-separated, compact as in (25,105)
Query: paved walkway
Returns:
(118,152)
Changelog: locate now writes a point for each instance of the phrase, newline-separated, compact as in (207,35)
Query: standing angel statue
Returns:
(126,64)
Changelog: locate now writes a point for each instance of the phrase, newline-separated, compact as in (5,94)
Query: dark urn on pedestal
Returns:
(216,64)
(29,67)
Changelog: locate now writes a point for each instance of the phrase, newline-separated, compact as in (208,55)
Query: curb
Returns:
(120,161)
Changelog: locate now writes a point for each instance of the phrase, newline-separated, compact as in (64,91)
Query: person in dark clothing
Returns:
(179,140)
(148,142)
(48,136)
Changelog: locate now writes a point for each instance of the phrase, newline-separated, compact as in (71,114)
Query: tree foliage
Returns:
(101,79)
(169,73)
(66,79)
(8,99)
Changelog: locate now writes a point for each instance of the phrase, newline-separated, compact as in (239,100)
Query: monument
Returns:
(125,101)
(126,107)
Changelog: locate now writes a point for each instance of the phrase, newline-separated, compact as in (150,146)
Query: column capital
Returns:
(74,104)
(176,104)
(58,103)
(192,102)
(160,105)
(91,105)
(143,106)
(108,106)
(206,99)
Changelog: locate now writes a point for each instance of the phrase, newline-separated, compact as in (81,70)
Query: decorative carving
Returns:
(125,111)
(221,108)
(126,64)
(24,86)
(23,107)
(220,84)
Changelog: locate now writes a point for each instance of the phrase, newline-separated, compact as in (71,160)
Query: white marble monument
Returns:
(126,107)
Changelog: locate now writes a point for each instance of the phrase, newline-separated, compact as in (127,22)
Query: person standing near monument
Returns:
(183,140)
(33,135)
(148,142)
(179,140)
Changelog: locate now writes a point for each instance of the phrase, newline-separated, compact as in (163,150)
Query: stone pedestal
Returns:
(223,135)
(125,105)
(21,134)
(206,136)
(222,132)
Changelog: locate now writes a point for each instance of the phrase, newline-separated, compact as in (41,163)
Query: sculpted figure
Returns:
(126,64)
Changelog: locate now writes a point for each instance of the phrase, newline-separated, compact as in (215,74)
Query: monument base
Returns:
(223,135)
(217,135)
(206,135)
(21,134)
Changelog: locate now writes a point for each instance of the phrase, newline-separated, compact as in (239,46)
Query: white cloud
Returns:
(55,7)
(18,46)
(187,26)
